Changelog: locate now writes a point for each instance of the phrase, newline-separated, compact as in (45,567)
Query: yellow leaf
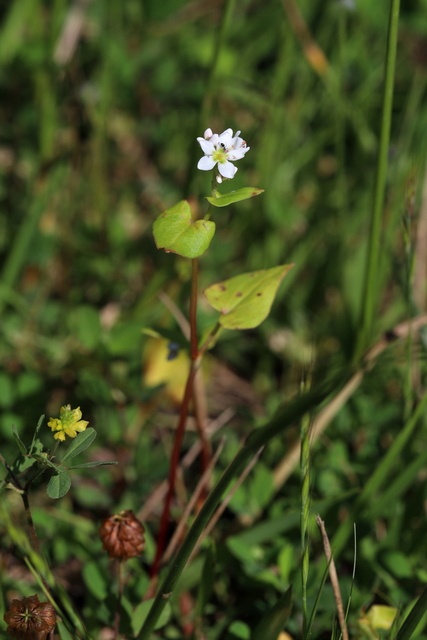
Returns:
(381,616)
(159,370)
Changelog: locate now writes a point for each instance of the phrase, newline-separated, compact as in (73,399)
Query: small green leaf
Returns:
(234,196)
(21,464)
(141,612)
(21,445)
(90,465)
(36,433)
(274,621)
(59,485)
(245,300)
(81,442)
(174,231)
(239,629)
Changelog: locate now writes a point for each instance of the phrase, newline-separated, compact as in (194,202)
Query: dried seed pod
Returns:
(122,536)
(29,619)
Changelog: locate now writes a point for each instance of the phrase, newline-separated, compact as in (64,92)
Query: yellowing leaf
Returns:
(378,617)
(381,616)
(159,370)
(245,300)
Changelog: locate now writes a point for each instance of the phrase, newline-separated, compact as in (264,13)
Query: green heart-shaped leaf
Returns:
(234,196)
(245,301)
(174,231)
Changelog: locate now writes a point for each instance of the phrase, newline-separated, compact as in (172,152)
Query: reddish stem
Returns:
(193,309)
(196,356)
(200,414)
(199,409)
(161,538)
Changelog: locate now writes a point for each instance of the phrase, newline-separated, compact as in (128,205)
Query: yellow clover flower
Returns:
(68,423)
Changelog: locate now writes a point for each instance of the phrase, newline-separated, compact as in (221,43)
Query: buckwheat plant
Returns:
(243,301)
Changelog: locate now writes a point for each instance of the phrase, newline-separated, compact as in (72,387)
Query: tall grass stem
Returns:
(305,514)
(370,292)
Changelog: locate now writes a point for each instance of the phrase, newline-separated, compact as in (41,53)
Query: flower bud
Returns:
(208,134)
(29,619)
(122,536)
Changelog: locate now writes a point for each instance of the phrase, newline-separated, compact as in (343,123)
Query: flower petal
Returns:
(226,140)
(207,146)
(227,169)
(81,425)
(206,163)
(228,132)
(236,154)
(238,143)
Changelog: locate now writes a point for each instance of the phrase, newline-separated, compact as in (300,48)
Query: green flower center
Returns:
(220,155)
(69,418)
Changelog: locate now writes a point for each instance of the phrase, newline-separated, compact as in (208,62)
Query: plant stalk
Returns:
(194,350)
(305,514)
(196,358)
(119,602)
(370,289)
(161,539)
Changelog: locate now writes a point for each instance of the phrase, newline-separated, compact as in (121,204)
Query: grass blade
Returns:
(370,293)
(411,622)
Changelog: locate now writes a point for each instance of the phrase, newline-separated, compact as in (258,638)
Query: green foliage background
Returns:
(92,149)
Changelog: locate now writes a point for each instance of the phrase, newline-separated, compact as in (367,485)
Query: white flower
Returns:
(220,149)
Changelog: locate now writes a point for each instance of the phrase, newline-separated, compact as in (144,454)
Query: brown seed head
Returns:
(29,619)
(122,536)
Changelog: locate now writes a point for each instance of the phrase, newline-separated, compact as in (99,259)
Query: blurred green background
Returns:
(101,106)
